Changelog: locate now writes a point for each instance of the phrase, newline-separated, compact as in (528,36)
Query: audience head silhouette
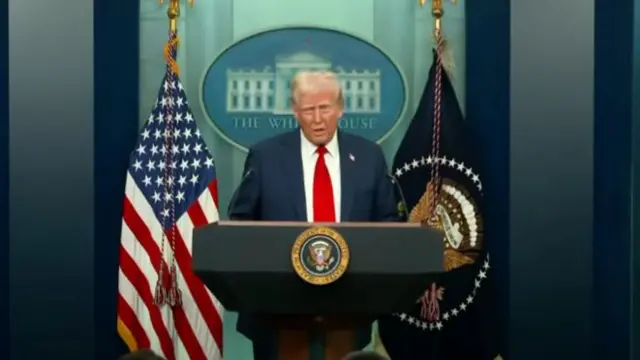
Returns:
(364,355)
(143,354)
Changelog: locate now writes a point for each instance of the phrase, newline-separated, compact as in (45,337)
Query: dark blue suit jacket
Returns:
(272,189)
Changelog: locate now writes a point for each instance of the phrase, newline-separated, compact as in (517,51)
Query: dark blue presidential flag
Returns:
(454,319)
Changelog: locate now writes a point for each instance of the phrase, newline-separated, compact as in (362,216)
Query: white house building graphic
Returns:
(268,90)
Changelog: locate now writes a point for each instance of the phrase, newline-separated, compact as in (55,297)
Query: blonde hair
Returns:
(313,81)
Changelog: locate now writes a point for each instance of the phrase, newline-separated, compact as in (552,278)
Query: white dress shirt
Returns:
(309,159)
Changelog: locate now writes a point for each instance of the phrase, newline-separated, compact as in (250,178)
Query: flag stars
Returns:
(185,148)
(194,179)
(450,163)
(182,180)
(151,165)
(184,165)
(171,164)
(137,165)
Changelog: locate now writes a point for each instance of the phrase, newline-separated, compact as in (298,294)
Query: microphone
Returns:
(234,198)
(405,213)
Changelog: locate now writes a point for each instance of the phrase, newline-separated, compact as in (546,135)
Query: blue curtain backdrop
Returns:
(4,181)
(503,58)
(487,104)
(116,129)
(636,182)
(612,201)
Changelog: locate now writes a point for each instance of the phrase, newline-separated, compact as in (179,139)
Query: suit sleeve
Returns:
(245,203)
(386,202)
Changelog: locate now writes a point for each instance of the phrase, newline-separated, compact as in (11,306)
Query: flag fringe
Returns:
(126,336)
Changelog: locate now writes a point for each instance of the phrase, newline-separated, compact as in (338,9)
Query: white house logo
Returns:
(246,91)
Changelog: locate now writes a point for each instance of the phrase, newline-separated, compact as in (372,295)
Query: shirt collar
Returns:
(309,148)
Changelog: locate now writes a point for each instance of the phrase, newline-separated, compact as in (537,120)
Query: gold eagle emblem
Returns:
(458,217)
(320,255)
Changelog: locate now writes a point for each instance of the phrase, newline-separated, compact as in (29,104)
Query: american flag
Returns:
(171,188)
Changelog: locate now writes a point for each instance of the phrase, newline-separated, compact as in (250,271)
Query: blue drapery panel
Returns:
(487,104)
(51,196)
(117,76)
(4,183)
(612,224)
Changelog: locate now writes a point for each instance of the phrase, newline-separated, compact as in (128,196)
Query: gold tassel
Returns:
(173,64)
(446,54)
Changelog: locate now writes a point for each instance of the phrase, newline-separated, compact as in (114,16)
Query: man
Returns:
(314,174)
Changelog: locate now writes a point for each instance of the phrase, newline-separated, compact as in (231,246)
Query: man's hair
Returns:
(144,354)
(364,355)
(312,81)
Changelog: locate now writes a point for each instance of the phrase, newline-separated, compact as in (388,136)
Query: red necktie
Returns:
(323,206)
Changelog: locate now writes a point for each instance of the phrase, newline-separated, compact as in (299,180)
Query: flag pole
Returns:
(173,13)
(437,11)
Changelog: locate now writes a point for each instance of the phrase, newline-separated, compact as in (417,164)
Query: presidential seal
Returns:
(320,256)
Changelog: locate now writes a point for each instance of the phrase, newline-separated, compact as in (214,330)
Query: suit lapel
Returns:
(293,171)
(347,174)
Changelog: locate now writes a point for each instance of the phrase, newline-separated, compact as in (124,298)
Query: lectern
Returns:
(306,277)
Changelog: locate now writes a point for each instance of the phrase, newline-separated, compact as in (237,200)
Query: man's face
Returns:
(318,114)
